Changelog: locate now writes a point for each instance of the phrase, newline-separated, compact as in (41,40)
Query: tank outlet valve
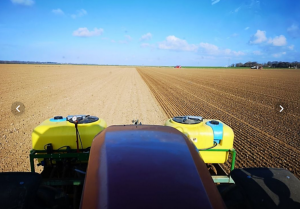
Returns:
(49,148)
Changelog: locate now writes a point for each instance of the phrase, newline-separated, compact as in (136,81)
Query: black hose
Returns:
(62,147)
(80,140)
(215,144)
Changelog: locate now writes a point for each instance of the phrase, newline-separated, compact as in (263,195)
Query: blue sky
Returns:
(195,33)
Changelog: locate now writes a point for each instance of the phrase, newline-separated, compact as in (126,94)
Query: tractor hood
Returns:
(147,166)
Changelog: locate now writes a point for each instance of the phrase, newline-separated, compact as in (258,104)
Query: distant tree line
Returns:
(41,63)
(274,64)
(25,62)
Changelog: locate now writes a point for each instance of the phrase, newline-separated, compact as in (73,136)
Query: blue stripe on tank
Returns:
(217,130)
(57,120)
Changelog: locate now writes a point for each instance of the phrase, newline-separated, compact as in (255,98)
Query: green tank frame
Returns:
(59,155)
(84,157)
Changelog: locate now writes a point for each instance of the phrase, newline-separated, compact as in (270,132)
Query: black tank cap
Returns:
(214,122)
(188,119)
(82,119)
(58,117)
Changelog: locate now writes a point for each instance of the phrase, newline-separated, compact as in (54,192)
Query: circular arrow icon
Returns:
(281,108)
(17,108)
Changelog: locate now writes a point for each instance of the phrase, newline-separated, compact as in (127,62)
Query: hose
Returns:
(63,147)
(80,140)
(215,144)
(79,171)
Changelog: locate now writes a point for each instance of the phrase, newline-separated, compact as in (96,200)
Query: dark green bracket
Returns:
(231,151)
(224,179)
(57,154)
(62,182)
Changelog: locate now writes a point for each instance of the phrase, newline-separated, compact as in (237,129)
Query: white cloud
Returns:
(113,41)
(227,51)
(234,35)
(177,44)
(258,37)
(294,31)
(237,9)
(144,45)
(278,41)
(239,53)
(214,2)
(128,37)
(79,13)
(210,48)
(146,37)
(58,11)
(293,27)
(174,43)
(23,2)
(291,47)
(246,28)
(126,40)
(147,45)
(84,32)
(214,50)
(257,52)
(279,54)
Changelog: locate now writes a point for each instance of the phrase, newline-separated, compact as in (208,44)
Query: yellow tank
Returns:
(205,133)
(60,131)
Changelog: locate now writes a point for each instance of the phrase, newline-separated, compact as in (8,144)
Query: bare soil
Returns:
(116,94)
(246,100)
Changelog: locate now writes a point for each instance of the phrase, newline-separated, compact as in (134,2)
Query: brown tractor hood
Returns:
(147,166)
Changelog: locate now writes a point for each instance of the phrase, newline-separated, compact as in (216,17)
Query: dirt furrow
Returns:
(255,147)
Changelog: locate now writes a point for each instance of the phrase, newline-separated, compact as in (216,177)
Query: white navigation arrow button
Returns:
(281,108)
(18,108)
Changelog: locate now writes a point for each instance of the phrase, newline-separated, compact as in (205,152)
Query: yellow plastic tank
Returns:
(205,133)
(60,131)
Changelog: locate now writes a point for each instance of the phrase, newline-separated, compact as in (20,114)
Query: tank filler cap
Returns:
(188,119)
(57,119)
(214,122)
(82,119)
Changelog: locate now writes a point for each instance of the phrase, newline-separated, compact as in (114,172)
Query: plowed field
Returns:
(246,100)
(116,94)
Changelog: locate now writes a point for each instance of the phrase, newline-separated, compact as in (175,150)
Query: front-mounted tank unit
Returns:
(60,131)
(72,133)
(207,135)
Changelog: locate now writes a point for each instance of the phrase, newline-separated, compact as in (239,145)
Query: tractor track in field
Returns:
(256,143)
